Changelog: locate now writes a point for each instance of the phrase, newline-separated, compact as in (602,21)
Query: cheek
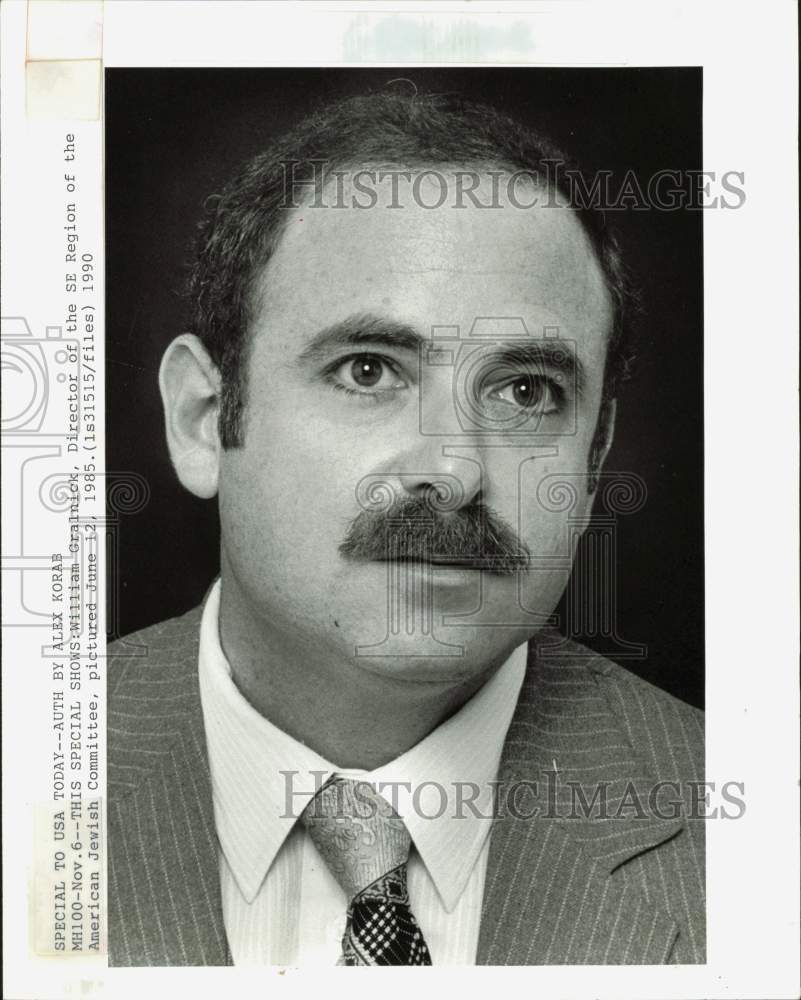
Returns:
(553,503)
(291,491)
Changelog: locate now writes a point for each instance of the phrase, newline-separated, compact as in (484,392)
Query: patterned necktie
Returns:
(366,846)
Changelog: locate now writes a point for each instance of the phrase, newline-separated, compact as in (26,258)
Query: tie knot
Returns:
(356,831)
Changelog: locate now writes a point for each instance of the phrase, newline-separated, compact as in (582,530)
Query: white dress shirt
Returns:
(281,905)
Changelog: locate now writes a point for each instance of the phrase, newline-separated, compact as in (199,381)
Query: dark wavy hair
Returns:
(242,225)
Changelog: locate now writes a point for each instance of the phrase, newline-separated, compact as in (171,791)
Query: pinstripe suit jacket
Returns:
(563,885)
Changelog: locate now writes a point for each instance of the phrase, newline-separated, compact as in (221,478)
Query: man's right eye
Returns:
(365,375)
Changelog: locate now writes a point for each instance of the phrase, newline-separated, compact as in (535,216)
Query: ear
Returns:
(601,442)
(190,391)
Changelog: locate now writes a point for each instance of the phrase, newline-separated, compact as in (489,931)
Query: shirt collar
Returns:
(258,773)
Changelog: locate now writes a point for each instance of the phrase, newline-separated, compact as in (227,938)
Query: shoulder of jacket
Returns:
(166,643)
(653,720)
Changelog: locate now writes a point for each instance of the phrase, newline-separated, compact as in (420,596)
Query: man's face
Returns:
(347,404)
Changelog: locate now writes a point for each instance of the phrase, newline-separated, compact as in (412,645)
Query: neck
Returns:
(350,715)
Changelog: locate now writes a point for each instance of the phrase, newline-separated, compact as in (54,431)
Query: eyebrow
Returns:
(370,329)
(359,330)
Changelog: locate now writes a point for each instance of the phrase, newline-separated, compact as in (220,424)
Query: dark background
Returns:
(174,136)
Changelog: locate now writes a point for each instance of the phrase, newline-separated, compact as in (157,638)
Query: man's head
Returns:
(401,328)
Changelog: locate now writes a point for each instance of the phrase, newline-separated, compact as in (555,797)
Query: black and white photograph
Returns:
(421,425)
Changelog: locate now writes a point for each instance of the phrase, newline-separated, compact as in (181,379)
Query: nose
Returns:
(448,476)
(432,457)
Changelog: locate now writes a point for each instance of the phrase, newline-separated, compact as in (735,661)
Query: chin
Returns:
(445,654)
(412,666)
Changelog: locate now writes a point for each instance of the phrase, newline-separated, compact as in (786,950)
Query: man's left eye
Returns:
(531,392)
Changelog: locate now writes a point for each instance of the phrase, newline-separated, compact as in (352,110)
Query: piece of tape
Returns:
(63,89)
(64,59)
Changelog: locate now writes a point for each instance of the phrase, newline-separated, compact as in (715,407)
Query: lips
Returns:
(490,564)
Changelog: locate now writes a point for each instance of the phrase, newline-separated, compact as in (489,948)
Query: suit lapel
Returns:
(164,856)
(557,890)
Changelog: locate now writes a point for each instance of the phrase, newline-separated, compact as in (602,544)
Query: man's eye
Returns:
(531,392)
(367,373)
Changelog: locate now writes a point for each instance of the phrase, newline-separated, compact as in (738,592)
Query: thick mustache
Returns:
(410,531)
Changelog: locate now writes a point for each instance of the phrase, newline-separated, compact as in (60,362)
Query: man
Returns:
(368,746)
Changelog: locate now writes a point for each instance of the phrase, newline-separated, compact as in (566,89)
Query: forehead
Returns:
(434,266)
